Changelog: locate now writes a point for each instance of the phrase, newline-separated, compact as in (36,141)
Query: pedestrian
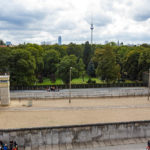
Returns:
(5,147)
(15,146)
(10,145)
(148,145)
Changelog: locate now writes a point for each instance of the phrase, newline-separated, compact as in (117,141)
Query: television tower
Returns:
(92,28)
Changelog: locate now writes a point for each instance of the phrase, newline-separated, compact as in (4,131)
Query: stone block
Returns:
(65,137)
(84,136)
(36,137)
(27,139)
(48,137)
(5,137)
(55,137)
(96,132)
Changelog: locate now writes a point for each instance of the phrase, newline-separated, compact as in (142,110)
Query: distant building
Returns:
(131,45)
(46,43)
(106,42)
(118,44)
(59,40)
(8,43)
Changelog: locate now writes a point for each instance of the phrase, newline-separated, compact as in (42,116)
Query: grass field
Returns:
(47,81)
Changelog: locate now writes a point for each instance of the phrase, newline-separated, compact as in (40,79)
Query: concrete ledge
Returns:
(101,134)
(76,126)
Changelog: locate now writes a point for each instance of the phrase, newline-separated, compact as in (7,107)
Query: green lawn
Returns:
(47,81)
(80,81)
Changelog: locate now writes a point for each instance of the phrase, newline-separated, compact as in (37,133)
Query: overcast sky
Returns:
(35,21)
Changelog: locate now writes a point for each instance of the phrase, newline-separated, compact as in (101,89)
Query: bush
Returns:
(91,81)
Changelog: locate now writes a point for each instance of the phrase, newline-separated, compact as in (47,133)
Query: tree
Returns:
(51,60)
(4,56)
(22,68)
(74,49)
(37,53)
(132,64)
(143,62)
(91,69)
(2,42)
(107,68)
(81,69)
(64,68)
(87,54)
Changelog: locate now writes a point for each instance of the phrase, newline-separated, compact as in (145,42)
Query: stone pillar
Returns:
(4,90)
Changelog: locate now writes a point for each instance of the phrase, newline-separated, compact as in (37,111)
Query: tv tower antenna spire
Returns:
(92,28)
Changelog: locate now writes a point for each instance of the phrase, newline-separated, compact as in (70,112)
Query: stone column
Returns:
(4,90)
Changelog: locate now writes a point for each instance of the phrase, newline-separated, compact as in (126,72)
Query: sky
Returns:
(34,21)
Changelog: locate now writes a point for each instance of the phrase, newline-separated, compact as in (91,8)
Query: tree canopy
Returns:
(30,63)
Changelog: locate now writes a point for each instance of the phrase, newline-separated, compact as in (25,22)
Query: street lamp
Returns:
(70,86)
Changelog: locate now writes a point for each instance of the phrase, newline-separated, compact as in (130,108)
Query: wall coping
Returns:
(74,126)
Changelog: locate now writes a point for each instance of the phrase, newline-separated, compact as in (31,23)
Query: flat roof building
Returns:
(59,40)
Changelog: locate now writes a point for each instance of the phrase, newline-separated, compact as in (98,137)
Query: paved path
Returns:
(141,146)
(130,144)
(85,93)
(72,108)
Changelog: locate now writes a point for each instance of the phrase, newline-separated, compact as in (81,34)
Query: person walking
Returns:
(5,147)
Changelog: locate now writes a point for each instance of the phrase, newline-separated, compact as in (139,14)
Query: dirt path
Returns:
(80,111)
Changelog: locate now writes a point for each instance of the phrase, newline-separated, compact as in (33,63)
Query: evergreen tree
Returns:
(91,69)
(87,54)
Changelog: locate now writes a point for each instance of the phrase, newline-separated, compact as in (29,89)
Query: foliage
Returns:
(4,56)
(132,64)
(107,68)
(2,42)
(64,68)
(74,49)
(87,54)
(90,81)
(91,69)
(30,63)
(51,60)
(22,68)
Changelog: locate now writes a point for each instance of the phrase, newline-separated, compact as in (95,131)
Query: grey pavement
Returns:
(141,146)
(128,144)
(80,93)
(26,108)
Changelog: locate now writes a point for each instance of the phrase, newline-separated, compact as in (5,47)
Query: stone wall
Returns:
(4,90)
(33,138)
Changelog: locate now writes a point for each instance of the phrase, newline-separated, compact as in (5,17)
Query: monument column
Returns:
(4,90)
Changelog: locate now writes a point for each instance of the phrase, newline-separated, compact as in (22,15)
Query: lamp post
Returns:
(70,86)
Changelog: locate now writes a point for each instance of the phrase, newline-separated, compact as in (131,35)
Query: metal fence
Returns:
(80,93)
(76,86)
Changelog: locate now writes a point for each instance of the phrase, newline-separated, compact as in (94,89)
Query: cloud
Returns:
(41,20)
(140,10)
(142,16)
